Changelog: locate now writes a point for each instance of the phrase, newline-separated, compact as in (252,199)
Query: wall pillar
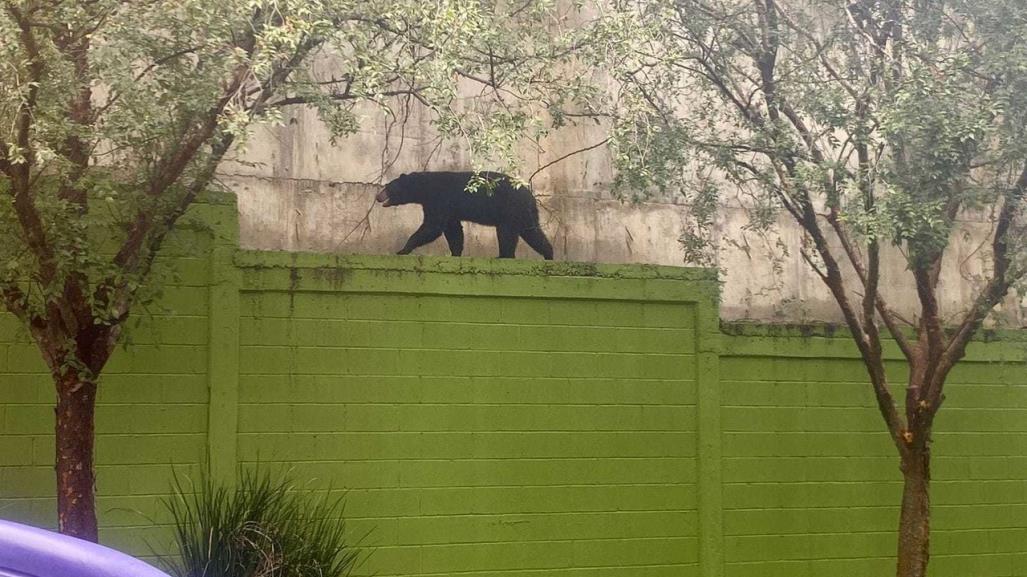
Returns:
(709,471)
(223,365)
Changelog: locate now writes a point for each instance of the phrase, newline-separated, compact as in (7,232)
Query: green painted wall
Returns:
(152,407)
(488,418)
(811,485)
(523,419)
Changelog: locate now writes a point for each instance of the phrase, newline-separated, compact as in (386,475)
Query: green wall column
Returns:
(709,471)
(223,370)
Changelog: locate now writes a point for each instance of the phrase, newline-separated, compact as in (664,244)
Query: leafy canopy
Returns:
(892,117)
(115,114)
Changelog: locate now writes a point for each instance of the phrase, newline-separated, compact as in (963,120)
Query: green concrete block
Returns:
(976,564)
(26,388)
(808,520)
(168,330)
(28,420)
(996,540)
(1013,444)
(39,511)
(25,357)
(798,495)
(989,468)
(803,547)
(144,538)
(738,393)
(152,449)
(12,330)
(16,451)
(27,482)
(801,469)
(182,300)
(159,359)
(801,444)
(984,396)
(634,552)
(180,272)
(166,419)
(43,449)
(979,492)
(143,480)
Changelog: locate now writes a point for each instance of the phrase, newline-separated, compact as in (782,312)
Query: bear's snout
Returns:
(383,197)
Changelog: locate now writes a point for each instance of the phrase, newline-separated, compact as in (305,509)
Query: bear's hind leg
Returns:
(537,240)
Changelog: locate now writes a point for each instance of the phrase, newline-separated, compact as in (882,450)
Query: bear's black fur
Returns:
(446,202)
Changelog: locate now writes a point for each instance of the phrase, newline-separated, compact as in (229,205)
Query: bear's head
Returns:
(397,191)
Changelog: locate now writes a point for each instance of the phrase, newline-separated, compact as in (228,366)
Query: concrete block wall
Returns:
(811,480)
(487,418)
(523,419)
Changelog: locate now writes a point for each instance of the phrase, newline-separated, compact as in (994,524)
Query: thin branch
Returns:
(344,96)
(364,223)
(568,155)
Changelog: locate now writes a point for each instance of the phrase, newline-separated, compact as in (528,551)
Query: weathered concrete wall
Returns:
(303,194)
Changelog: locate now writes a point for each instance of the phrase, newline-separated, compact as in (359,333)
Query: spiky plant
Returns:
(265,526)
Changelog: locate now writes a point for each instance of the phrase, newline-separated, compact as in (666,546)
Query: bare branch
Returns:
(343,96)
(568,155)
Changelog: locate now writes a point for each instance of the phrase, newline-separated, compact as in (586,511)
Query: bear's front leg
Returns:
(422,236)
(455,237)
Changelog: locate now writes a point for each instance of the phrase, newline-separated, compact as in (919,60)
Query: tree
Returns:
(872,125)
(115,114)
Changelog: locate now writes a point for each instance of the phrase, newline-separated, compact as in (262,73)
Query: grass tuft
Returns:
(264,527)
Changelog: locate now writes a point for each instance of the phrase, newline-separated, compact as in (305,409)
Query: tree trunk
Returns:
(915,518)
(76,510)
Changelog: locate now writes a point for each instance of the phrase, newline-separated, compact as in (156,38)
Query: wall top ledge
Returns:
(248,259)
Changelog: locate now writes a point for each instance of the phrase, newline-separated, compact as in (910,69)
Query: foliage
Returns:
(779,101)
(868,124)
(116,114)
(264,527)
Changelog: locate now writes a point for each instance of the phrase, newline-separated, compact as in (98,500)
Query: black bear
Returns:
(447,202)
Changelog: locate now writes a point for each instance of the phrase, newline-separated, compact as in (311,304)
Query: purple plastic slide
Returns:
(30,552)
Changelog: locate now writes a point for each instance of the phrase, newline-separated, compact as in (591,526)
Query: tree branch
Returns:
(342,96)
(568,155)
(20,171)
(990,296)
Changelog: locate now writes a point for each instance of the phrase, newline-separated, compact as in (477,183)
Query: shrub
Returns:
(263,527)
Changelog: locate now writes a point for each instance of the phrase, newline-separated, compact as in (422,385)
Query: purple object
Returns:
(30,552)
